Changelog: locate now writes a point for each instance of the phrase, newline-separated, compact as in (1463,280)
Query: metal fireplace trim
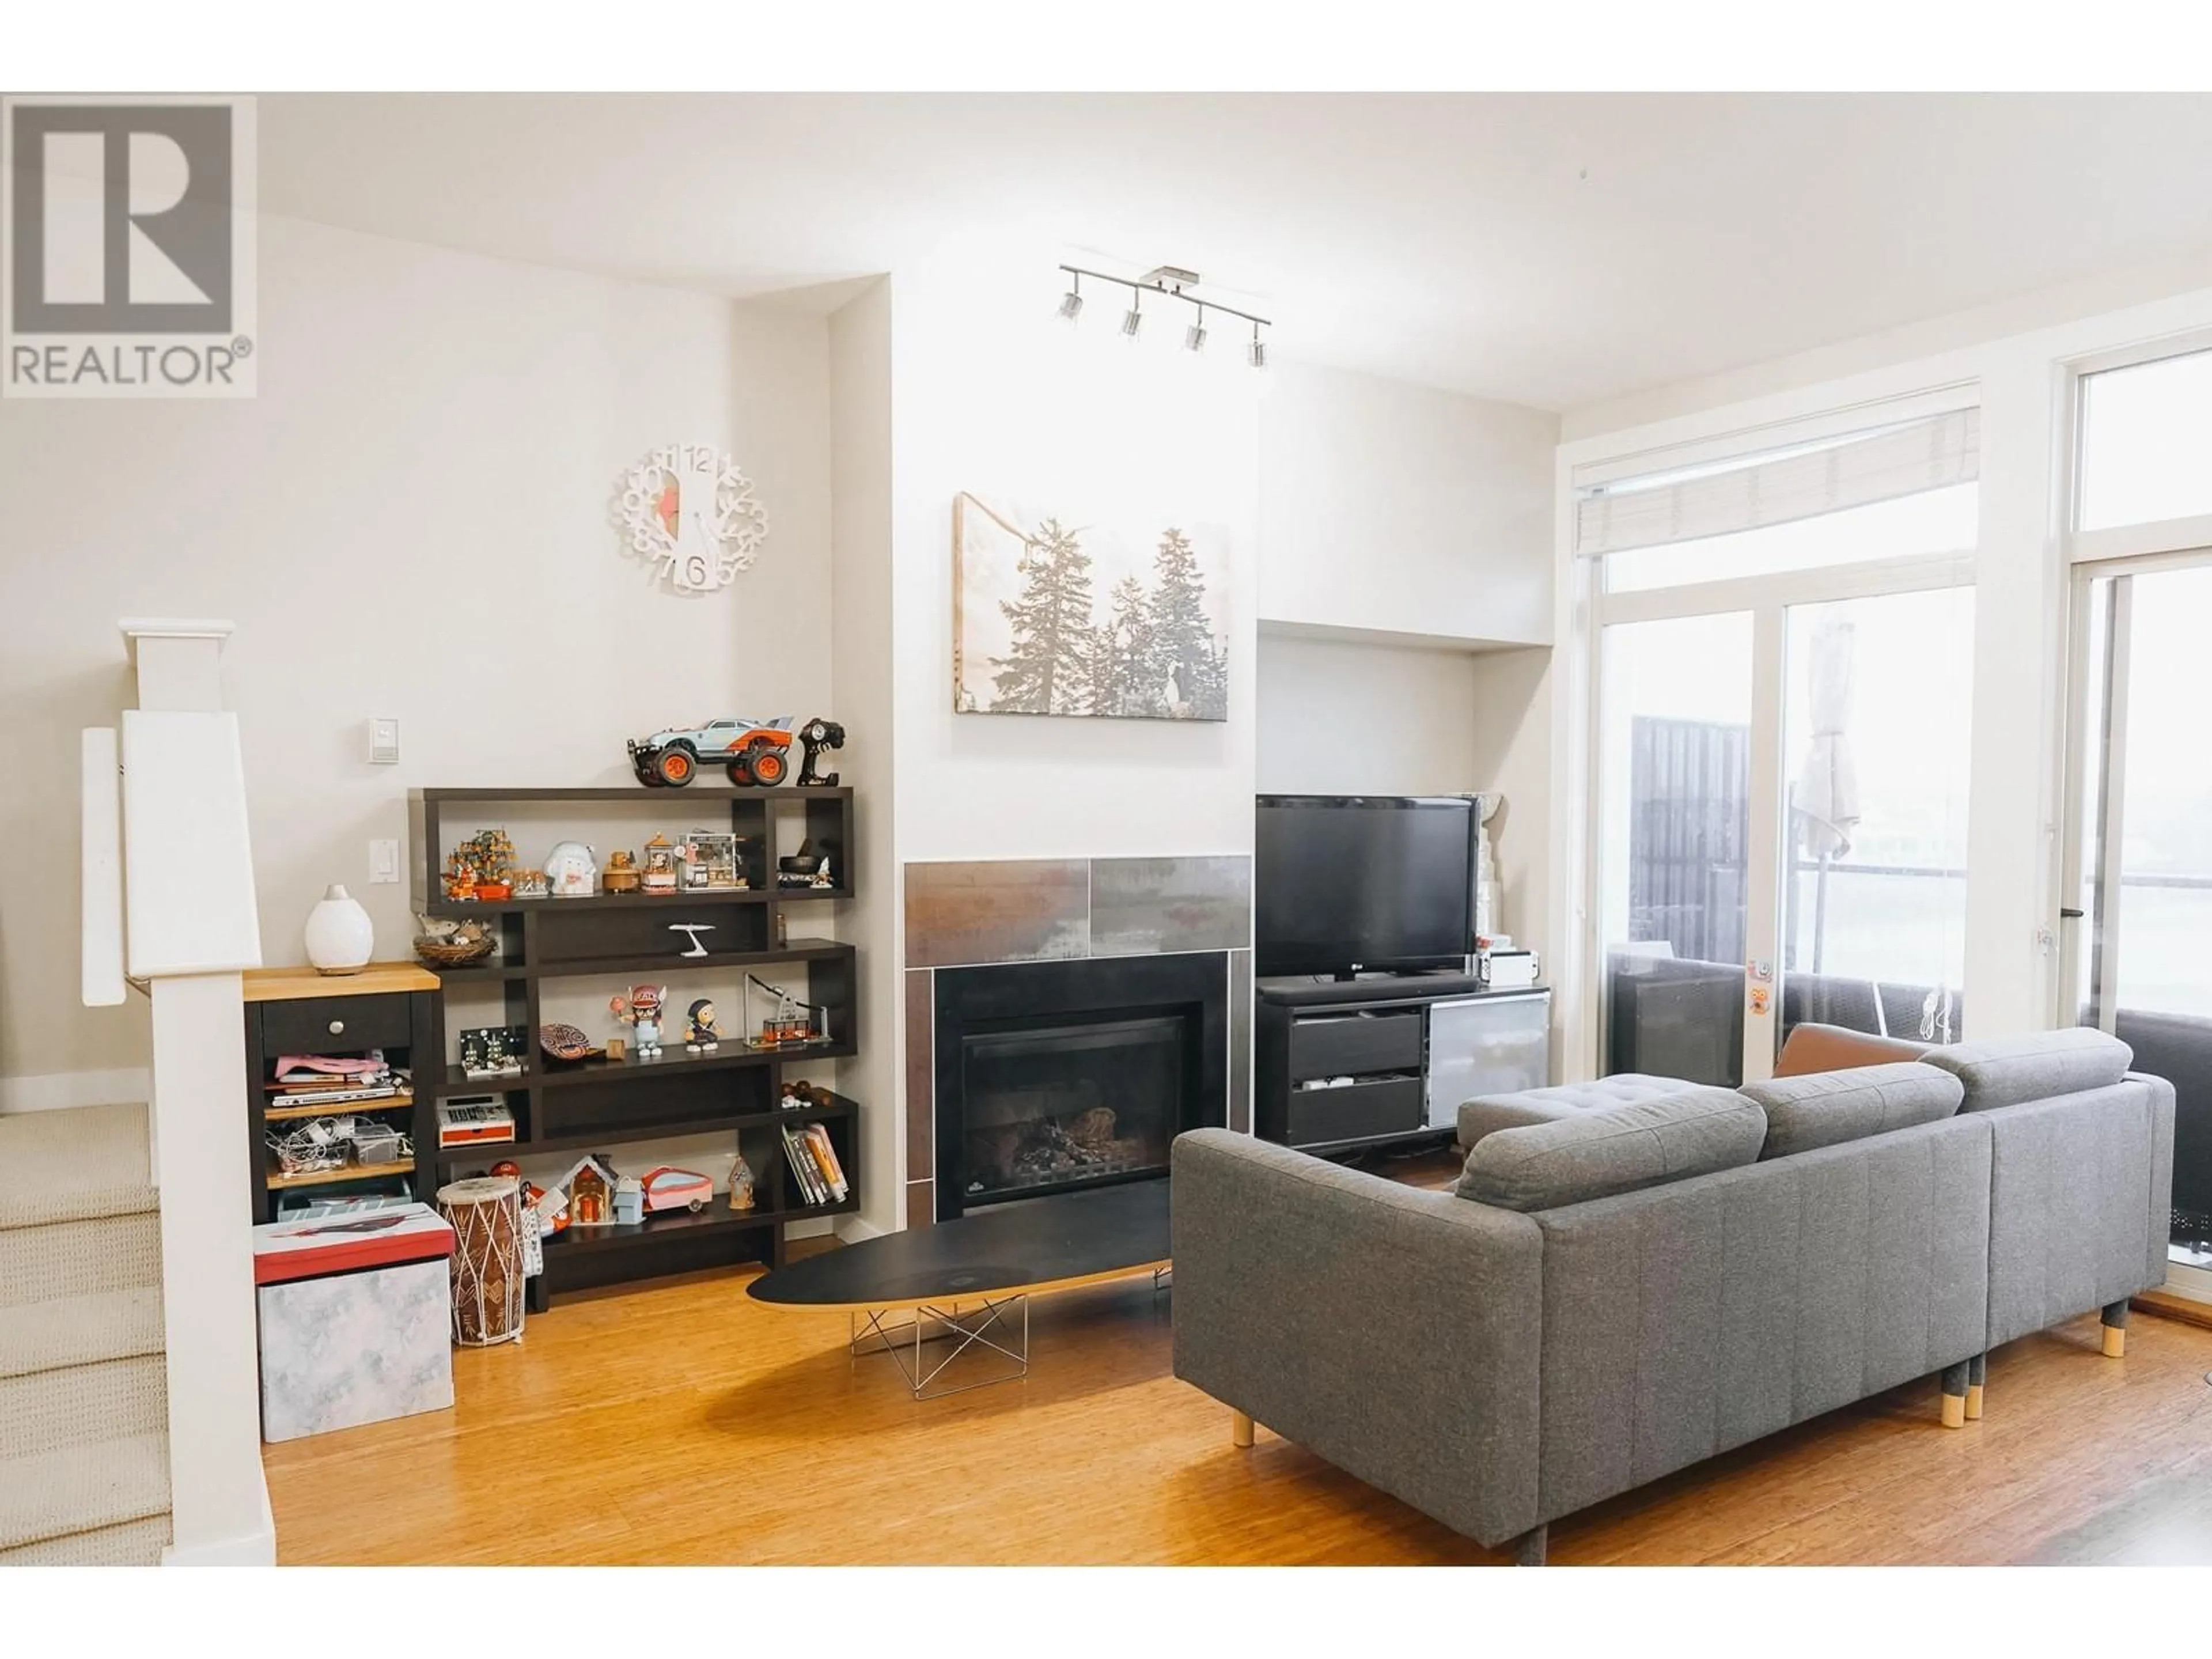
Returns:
(1193,985)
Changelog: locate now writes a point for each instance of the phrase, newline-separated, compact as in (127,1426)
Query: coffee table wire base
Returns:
(871,1335)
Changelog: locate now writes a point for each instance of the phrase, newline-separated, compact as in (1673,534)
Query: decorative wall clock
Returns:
(689,510)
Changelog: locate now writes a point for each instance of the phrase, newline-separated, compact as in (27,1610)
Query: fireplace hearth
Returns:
(1056,1076)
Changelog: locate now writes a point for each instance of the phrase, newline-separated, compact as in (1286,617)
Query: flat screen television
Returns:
(1342,883)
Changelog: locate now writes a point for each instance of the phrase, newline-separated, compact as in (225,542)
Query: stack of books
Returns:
(814,1163)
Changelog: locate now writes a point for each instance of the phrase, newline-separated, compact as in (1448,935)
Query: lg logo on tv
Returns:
(130,263)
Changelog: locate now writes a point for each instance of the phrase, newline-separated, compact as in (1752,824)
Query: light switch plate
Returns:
(383,861)
(384,743)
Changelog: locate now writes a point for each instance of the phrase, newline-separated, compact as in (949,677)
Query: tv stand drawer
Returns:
(1355,1111)
(1349,1044)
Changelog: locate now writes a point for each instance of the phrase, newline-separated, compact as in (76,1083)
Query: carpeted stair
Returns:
(84,1447)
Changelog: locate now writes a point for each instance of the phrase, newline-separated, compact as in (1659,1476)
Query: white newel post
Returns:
(191,924)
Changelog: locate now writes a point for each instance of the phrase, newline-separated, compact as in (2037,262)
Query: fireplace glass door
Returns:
(1071,1103)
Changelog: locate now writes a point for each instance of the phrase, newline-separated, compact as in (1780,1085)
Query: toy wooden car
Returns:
(670,1188)
(754,751)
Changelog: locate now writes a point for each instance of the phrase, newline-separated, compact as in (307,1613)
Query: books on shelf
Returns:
(814,1163)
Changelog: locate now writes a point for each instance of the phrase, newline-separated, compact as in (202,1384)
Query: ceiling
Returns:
(1552,249)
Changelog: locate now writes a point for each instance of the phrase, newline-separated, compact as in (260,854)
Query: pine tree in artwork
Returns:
(1123,679)
(1047,670)
(1186,658)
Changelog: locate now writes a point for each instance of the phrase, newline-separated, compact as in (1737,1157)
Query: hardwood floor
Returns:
(683,1423)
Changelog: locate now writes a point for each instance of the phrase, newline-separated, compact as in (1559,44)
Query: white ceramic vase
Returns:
(340,938)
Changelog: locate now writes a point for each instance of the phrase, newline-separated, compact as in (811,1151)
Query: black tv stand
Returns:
(1344,1064)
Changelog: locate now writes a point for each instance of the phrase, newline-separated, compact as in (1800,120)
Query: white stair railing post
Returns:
(190,925)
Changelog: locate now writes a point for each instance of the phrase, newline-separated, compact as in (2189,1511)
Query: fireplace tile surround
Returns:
(1005,912)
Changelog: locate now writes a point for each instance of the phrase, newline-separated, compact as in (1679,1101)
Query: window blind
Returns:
(1783,486)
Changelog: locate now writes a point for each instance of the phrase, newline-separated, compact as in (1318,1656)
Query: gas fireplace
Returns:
(1055,1076)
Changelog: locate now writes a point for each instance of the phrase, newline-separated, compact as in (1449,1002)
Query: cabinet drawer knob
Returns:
(337,1028)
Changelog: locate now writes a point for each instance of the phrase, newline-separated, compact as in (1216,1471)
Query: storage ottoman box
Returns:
(355,1320)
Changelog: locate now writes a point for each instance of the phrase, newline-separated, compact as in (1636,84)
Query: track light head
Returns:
(1257,353)
(1194,338)
(1131,320)
(1070,303)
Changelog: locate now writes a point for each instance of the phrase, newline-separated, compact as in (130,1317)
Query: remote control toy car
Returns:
(754,751)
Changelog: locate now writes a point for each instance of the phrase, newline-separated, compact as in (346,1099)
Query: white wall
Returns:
(992,394)
(861,640)
(1513,756)
(1341,716)
(410,520)
(1401,509)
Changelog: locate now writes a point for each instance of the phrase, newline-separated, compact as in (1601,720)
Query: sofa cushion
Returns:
(1483,1113)
(2009,1070)
(1827,1108)
(1620,1149)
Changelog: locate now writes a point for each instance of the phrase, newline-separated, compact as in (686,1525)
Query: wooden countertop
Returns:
(378,978)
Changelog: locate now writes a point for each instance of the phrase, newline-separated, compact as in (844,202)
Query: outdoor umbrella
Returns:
(1827,792)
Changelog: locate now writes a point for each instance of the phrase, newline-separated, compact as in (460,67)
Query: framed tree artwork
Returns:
(1053,616)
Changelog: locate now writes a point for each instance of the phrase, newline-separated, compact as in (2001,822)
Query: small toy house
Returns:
(590,1185)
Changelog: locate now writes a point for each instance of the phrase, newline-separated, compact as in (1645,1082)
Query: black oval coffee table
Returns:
(996,1259)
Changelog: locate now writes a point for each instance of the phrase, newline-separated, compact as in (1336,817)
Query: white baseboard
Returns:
(257,1549)
(57,1091)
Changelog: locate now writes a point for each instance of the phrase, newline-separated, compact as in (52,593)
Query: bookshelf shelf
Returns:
(601,1105)
(278,1183)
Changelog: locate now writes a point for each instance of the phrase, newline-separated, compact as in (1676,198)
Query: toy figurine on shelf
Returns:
(702,1037)
(641,1008)
(659,865)
(741,1184)
(621,873)
(531,884)
(572,870)
(459,879)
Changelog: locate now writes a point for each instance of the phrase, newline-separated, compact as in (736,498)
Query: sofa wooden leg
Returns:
(2115,1330)
(1954,1395)
(1530,1548)
(1976,1372)
(1240,1428)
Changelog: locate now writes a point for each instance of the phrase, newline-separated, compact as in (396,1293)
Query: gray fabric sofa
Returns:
(1616,1290)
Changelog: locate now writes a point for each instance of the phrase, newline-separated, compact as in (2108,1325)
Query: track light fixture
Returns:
(1173,283)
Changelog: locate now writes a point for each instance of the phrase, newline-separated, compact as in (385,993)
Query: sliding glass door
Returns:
(1782,691)
(1676,754)
(2142,908)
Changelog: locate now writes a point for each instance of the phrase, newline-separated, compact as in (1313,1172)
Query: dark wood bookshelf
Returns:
(600,1105)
